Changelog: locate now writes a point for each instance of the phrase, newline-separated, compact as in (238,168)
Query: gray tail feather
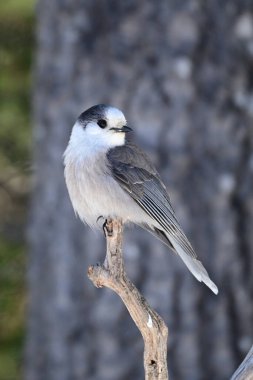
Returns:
(194,265)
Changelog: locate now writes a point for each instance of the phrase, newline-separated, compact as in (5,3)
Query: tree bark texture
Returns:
(182,73)
(151,326)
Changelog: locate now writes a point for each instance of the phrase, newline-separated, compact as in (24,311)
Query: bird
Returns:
(107,175)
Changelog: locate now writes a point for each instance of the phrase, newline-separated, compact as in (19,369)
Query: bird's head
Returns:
(100,126)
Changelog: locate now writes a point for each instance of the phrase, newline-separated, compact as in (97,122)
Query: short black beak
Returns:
(125,129)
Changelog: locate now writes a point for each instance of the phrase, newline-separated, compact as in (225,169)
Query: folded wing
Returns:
(136,175)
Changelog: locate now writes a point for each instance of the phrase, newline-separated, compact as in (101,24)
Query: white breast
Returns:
(92,189)
(94,193)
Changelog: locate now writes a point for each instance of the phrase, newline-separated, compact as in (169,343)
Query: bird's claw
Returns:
(104,223)
(104,227)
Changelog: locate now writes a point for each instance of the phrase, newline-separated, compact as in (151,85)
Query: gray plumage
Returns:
(109,176)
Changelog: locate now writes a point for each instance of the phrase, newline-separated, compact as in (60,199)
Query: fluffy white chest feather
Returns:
(92,189)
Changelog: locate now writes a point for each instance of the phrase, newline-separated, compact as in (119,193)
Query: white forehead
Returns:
(115,115)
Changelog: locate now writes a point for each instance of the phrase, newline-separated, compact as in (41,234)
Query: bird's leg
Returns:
(108,227)
(108,232)
(103,225)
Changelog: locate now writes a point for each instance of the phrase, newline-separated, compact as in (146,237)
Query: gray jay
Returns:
(109,176)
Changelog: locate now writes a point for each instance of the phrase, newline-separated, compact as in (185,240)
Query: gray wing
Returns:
(133,171)
(136,175)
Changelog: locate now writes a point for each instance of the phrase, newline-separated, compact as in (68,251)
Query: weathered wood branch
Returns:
(245,370)
(153,329)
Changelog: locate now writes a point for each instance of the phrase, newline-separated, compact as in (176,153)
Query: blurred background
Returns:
(16,49)
(182,72)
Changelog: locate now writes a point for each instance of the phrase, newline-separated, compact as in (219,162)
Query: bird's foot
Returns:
(106,226)
(101,221)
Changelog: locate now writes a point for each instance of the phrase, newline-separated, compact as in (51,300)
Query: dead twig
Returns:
(153,329)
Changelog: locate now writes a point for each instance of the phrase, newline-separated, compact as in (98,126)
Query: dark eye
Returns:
(102,123)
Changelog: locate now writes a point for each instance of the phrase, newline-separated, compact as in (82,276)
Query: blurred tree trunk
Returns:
(182,73)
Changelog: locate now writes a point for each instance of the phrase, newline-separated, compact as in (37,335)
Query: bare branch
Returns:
(152,327)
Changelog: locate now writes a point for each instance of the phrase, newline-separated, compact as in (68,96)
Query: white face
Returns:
(96,138)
